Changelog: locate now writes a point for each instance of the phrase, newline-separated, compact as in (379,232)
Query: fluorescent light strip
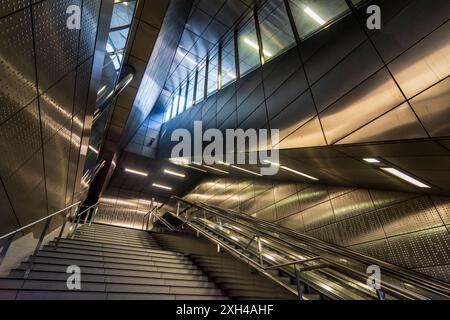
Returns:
(256,47)
(136,172)
(161,186)
(371,160)
(212,168)
(292,170)
(314,15)
(406,177)
(198,169)
(299,173)
(93,149)
(248,171)
(223,163)
(101,90)
(174,173)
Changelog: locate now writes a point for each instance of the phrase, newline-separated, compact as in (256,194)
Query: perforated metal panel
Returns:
(26,188)
(439,272)
(443,207)
(312,196)
(410,216)
(19,139)
(422,249)
(54,41)
(57,106)
(359,229)
(9,6)
(89,22)
(378,249)
(382,199)
(288,206)
(318,216)
(352,204)
(17,73)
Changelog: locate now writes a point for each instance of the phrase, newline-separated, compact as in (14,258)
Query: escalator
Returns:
(308,267)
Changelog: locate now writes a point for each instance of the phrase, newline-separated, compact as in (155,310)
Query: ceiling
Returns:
(208,22)
(427,161)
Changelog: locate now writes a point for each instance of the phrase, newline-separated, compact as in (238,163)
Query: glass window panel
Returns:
(200,95)
(228,63)
(190,96)
(182,99)
(175,104)
(248,48)
(276,30)
(122,14)
(169,109)
(312,15)
(213,72)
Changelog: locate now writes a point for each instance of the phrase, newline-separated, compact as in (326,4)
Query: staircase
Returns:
(115,263)
(234,277)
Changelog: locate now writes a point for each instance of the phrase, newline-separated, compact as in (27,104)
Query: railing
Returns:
(72,215)
(324,259)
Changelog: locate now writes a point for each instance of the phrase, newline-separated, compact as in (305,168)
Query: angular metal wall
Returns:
(45,73)
(407,229)
(125,208)
(346,85)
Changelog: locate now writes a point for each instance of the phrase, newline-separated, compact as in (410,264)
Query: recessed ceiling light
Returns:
(248,171)
(136,172)
(174,173)
(406,177)
(161,186)
(212,168)
(314,15)
(371,160)
(93,149)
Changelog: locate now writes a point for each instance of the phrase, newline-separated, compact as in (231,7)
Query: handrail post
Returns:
(94,215)
(5,247)
(297,282)
(260,249)
(36,250)
(87,215)
(76,226)
(66,218)
(178,208)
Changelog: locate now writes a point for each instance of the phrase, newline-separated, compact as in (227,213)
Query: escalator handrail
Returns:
(404,274)
(343,251)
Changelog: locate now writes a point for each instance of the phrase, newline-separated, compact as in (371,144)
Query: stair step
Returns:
(145,245)
(55,285)
(106,259)
(145,257)
(166,273)
(114,239)
(113,236)
(115,279)
(119,247)
(113,265)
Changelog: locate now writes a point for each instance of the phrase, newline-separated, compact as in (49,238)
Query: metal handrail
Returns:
(355,273)
(10,235)
(39,221)
(410,276)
